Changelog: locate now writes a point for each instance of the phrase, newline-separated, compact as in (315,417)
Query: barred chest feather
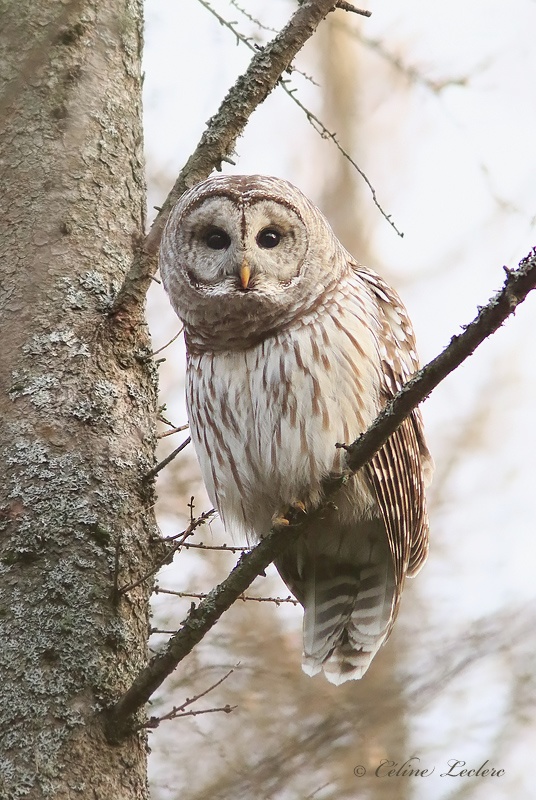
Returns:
(265,420)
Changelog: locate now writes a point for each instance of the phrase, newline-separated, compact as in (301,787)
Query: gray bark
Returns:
(77,397)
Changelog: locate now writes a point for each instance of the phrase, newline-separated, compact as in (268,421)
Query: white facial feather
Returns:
(219,269)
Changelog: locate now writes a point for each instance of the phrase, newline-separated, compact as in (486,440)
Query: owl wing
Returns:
(349,572)
(399,471)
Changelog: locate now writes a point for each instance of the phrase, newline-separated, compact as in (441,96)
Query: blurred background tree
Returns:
(433,104)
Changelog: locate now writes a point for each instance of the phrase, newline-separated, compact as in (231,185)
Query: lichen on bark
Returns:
(77,398)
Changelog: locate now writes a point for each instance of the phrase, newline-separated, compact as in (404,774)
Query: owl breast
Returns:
(265,420)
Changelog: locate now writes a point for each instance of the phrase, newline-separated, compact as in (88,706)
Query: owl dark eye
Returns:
(217,239)
(268,238)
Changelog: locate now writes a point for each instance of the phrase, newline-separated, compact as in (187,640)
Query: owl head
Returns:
(243,255)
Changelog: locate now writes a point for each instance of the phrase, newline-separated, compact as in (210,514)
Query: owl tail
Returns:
(348,613)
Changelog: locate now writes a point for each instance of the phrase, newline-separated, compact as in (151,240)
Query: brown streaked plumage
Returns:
(292,347)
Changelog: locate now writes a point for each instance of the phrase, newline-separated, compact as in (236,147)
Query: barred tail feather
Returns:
(327,606)
(343,575)
(347,618)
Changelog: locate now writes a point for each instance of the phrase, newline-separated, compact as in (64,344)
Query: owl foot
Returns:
(295,508)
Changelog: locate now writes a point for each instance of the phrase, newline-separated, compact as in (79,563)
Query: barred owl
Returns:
(293,346)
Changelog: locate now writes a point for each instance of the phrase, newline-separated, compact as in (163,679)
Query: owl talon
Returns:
(297,505)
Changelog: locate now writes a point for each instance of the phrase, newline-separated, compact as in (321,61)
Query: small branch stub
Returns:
(349,7)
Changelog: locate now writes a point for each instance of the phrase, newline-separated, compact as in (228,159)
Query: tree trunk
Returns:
(77,398)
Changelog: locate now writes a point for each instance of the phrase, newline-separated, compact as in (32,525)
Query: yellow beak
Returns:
(245,274)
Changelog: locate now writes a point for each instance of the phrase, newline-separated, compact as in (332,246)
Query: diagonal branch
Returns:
(198,622)
(314,121)
(201,619)
(517,285)
(218,140)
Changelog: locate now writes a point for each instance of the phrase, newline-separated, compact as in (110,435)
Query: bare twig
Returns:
(218,141)
(194,524)
(179,711)
(197,623)
(179,540)
(225,23)
(255,21)
(178,429)
(154,722)
(349,7)
(203,595)
(161,418)
(412,74)
(201,619)
(155,470)
(229,548)
(166,558)
(325,133)
(315,121)
(191,506)
(155,353)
